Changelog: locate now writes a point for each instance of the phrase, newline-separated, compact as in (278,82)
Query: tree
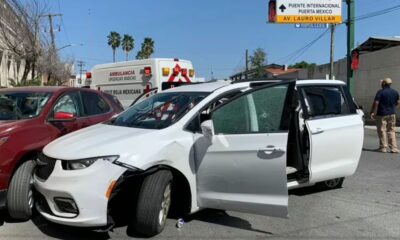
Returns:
(128,43)
(303,64)
(114,40)
(57,71)
(23,41)
(20,33)
(258,61)
(147,49)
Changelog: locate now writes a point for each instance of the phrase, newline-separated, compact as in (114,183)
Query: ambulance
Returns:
(132,79)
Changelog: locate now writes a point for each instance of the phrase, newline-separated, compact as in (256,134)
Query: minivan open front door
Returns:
(244,167)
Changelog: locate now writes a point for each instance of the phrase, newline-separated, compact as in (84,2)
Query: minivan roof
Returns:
(201,87)
(214,85)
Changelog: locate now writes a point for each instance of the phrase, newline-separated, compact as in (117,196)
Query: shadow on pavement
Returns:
(370,150)
(2,220)
(5,218)
(222,218)
(308,191)
(305,191)
(64,232)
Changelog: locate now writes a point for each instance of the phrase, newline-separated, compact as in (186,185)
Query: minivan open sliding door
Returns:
(336,131)
(244,167)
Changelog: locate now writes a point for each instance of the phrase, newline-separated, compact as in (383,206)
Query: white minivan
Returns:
(230,146)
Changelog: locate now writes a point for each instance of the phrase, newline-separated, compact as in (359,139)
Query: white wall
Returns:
(373,67)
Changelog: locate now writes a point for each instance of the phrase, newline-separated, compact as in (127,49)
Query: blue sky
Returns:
(213,34)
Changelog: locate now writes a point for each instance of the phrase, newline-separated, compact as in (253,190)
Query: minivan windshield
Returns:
(158,111)
(22,105)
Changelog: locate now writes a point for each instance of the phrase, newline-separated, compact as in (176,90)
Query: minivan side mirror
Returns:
(207,128)
(63,117)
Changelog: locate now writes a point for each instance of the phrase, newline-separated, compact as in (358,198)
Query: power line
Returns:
(305,49)
(236,68)
(297,53)
(377,13)
(63,25)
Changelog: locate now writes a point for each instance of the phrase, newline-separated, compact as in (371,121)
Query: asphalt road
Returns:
(367,207)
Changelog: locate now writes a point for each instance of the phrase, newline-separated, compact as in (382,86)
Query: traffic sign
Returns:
(307,11)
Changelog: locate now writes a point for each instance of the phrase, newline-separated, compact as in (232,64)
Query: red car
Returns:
(32,117)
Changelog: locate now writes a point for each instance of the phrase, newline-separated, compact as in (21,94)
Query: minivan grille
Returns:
(45,166)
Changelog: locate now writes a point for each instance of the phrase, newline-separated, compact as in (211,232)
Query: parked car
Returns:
(236,147)
(30,118)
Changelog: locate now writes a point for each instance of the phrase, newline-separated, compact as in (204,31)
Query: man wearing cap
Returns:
(384,110)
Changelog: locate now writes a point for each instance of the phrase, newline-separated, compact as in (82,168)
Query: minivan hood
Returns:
(95,141)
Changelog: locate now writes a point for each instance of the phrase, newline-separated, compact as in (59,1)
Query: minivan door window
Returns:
(325,101)
(258,112)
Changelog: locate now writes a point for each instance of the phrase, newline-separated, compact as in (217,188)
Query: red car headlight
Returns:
(3,140)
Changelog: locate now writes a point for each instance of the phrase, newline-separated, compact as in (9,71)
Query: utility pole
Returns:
(247,63)
(80,64)
(52,36)
(52,52)
(350,43)
(331,70)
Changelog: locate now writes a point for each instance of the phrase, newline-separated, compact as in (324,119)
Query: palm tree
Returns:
(147,49)
(128,43)
(114,40)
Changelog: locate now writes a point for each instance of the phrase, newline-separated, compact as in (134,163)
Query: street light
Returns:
(69,45)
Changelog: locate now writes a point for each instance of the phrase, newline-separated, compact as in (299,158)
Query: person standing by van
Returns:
(384,110)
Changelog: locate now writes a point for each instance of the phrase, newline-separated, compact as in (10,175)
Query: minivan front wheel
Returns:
(153,203)
(20,192)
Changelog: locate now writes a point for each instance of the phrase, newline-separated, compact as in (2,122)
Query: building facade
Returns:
(11,67)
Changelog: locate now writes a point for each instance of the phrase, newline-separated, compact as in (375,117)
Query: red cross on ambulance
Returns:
(176,71)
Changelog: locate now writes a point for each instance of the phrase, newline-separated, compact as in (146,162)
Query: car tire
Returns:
(154,201)
(20,192)
(330,184)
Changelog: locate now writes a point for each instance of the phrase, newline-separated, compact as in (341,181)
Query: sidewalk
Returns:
(373,128)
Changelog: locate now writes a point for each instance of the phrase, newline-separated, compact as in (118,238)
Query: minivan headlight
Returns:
(85,163)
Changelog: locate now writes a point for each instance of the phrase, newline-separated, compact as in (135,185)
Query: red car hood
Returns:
(8,126)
